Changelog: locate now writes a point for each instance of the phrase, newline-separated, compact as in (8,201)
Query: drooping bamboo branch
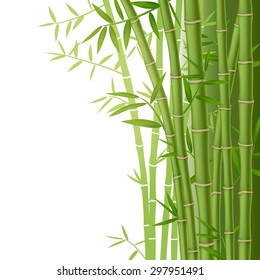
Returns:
(164,109)
(200,128)
(246,101)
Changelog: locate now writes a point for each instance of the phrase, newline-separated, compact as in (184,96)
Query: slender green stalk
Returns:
(226,141)
(138,141)
(245,15)
(178,115)
(174,234)
(178,29)
(200,129)
(164,109)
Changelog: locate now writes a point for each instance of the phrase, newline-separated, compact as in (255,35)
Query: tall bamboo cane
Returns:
(178,115)
(246,100)
(164,109)
(200,128)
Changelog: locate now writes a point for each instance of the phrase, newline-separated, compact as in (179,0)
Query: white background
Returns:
(63,166)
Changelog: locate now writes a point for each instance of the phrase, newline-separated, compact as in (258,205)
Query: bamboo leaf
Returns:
(147,88)
(165,207)
(193,63)
(208,99)
(76,49)
(166,142)
(144,94)
(209,236)
(52,15)
(168,155)
(105,104)
(105,59)
(92,72)
(117,65)
(91,35)
(207,43)
(175,15)
(68,28)
(98,100)
(166,222)
(132,178)
(236,160)
(255,47)
(113,37)
(90,53)
(214,253)
(146,4)
(187,89)
(137,175)
(172,205)
(124,233)
(207,225)
(127,33)
(113,85)
(56,32)
(140,242)
(72,10)
(157,89)
(192,179)
(207,60)
(75,65)
(133,255)
(58,57)
(117,243)
(127,107)
(116,107)
(256,155)
(257,130)
(143,123)
(119,10)
(256,172)
(102,14)
(236,229)
(78,22)
(153,24)
(188,140)
(47,24)
(101,38)
(123,94)
(215,82)
(209,17)
(113,237)
(256,63)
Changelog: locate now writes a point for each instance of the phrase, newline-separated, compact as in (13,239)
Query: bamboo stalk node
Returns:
(176,177)
(150,64)
(156,133)
(144,186)
(232,70)
(203,185)
(236,25)
(146,225)
(177,116)
(226,148)
(139,146)
(152,165)
(245,15)
(168,185)
(127,77)
(170,135)
(246,101)
(221,30)
(134,21)
(160,69)
(229,232)
(152,238)
(188,205)
(161,98)
(174,239)
(199,130)
(161,30)
(182,158)
(193,251)
(195,81)
(216,193)
(245,62)
(223,74)
(169,30)
(228,188)
(152,201)
(118,38)
(206,245)
(176,77)
(192,21)
(216,148)
(182,221)
(245,145)
(245,192)
(224,109)
(244,241)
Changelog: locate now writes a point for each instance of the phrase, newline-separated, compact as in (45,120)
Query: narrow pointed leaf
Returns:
(143,123)
(146,4)
(208,99)
(52,15)
(207,60)
(168,155)
(78,22)
(207,225)
(124,94)
(133,179)
(193,63)
(127,33)
(98,100)
(187,90)
(117,243)
(47,24)
(175,15)
(75,65)
(209,236)
(140,242)
(105,59)
(113,37)
(172,205)
(255,47)
(256,172)
(127,107)
(153,24)
(192,179)
(113,237)
(214,253)
(157,89)
(166,222)
(105,104)
(102,14)
(256,63)
(72,10)
(167,143)
(101,38)
(91,35)
(215,82)
(90,53)
(56,32)
(124,233)
(165,207)
(119,10)
(188,140)
(133,255)
(116,107)
(68,28)
(236,160)
(57,57)
(92,72)
(257,130)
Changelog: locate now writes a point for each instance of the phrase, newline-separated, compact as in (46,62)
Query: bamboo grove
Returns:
(207,159)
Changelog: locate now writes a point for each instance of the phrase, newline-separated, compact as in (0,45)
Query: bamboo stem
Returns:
(246,99)
(177,112)
(199,118)
(164,109)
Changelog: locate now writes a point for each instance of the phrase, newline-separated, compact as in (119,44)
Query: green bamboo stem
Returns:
(245,16)
(138,141)
(174,234)
(178,29)
(200,129)
(178,115)
(226,141)
(166,117)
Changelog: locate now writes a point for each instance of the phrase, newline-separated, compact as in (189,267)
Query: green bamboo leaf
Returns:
(208,99)
(117,243)
(98,100)
(209,17)
(76,49)
(147,88)
(57,57)
(78,22)
(68,28)
(117,65)
(157,89)
(56,32)
(105,59)
(124,233)
(207,43)
(257,130)
(167,143)
(188,140)
(212,23)
(172,205)
(153,24)
(207,60)
(105,104)
(209,236)
(92,72)
(168,155)
(195,76)
(166,222)
(101,38)
(255,47)
(47,24)
(133,255)
(236,160)
(72,10)
(214,253)
(90,53)
(207,225)
(256,63)
(113,85)
(137,175)
(187,89)
(192,179)
(116,107)
(215,82)
(143,123)
(193,63)
(132,178)
(113,37)
(52,15)
(91,35)
(124,94)
(102,14)
(236,229)
(75,65)
(144,94)
(256,155)
(165,207)
(119,10)
(146,4)
(127,107)
(140,242)
(256,172)
(61,47)
(127,33)
(175,15)
(113,237)
(149,39)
